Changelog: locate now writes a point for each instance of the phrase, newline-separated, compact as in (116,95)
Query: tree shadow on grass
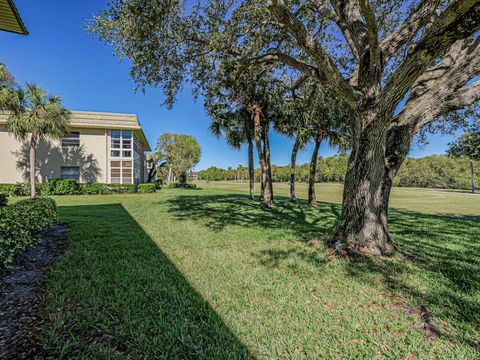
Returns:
(219,211)
(441,269)
(115,294)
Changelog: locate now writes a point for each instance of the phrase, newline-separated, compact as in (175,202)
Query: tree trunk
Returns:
(33,158)
(266,194)
(266,151)
(169,176)
(251,169)
(363,225)
(473,176)
(151,173)
(293,164)
(312,198)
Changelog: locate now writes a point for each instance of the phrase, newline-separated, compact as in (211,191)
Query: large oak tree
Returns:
(373,56)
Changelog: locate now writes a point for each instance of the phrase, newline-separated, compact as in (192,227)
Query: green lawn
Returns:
(209,274)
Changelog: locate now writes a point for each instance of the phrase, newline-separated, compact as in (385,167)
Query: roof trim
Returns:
(16,14)
(102,120)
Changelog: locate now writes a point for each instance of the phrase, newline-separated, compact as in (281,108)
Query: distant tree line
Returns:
(436,171)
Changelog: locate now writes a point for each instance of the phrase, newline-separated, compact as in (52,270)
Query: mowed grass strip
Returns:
(209,274)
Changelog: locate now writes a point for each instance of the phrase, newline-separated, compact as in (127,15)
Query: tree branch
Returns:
(372,63)
(442,89)
(459,21)
(328,72)
(464,97)
(419,18)
(351,24)
(283,58)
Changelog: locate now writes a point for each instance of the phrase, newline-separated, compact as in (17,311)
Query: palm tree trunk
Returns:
(266,151)
(293,163)
(312,198)
(266,193)
(251,168)
(33,158)
(473,176)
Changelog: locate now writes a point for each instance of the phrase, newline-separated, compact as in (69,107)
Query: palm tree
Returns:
(35,116)
(237,129)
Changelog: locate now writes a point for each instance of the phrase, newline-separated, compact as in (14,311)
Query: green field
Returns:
(433,201)
(208,274)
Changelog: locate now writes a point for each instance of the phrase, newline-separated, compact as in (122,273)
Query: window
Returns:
(70,172)
(72,140)
(121,172)
(121,143)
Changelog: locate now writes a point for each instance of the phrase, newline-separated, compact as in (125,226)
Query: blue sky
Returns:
(63,58)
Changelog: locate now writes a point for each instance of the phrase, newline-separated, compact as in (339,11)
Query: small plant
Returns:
(147,188)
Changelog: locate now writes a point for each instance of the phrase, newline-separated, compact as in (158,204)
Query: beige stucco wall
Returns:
(90,157)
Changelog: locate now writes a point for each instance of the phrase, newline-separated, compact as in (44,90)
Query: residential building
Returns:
(101,147)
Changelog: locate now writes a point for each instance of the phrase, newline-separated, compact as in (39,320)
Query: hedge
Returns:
(106,189)
(21,225)
(66,187)
(179,185)
(147,188)
(19,189)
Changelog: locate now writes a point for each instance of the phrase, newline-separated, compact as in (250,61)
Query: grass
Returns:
(209,274)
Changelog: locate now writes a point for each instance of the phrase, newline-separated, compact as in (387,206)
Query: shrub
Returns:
(147,188)
(158,184)
(22,223)
(180,185)
(183,178)
(9,189)
(121,188)
(64,186)
(105,189)
(95,189)
(44,189)
(3,200)
(23,189)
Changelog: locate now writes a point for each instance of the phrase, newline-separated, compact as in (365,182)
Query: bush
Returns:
(21,225)
(106,189)
(158,184)
(94,189)
(8,189)
(44,189)
(146,188)
(122,188)
(64,186)
(3,200)
(179,185)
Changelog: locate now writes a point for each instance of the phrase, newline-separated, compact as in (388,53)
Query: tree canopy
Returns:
(467,145)
(370,56)
(180,152)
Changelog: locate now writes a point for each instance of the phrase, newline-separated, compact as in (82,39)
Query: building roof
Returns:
(103,120)
(10,19)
